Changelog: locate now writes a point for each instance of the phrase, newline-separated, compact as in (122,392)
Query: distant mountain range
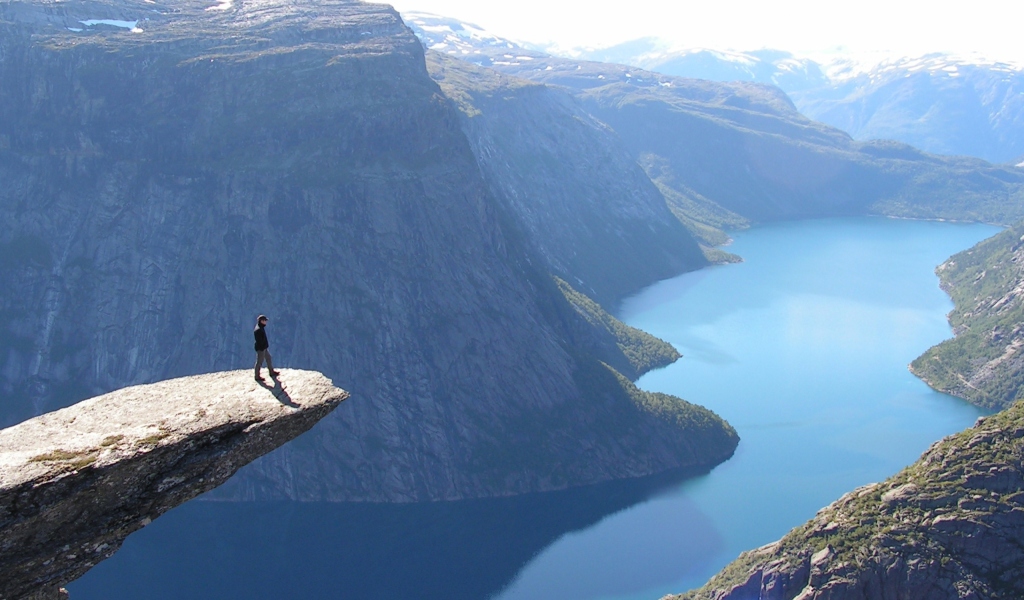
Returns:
(939,103)
(727,153)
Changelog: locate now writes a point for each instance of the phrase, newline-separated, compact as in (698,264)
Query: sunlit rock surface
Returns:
(74,483)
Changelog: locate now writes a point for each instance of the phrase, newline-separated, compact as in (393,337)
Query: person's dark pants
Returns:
(262,355)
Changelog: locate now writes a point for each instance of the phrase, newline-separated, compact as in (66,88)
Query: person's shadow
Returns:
(279,392)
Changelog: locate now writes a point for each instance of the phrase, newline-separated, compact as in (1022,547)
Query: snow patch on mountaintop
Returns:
(784,69)
(725,55)
(877,67)
(453,36)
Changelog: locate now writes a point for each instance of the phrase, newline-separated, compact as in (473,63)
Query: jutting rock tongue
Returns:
(74,483)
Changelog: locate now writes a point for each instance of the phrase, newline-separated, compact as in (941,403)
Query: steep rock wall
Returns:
(574,188)
(165,184)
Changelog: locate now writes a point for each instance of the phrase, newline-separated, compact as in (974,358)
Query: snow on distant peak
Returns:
(453,36)
(880,67)
(727,55)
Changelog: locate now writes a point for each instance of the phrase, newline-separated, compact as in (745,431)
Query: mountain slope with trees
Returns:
(949,526)
(983,363)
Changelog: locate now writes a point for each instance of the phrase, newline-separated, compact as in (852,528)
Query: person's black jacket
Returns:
(261,338)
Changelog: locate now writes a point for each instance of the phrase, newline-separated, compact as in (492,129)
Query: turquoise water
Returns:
(804,349)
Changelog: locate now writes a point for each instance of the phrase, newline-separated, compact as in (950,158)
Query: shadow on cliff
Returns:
(451,550)
(279,392)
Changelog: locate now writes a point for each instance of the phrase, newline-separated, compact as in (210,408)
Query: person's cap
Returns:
(262,318)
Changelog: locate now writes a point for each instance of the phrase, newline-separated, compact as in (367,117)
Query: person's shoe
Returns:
(258,378)
(275,373)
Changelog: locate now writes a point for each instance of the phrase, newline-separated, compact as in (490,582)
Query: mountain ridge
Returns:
(743,149)
(942,103)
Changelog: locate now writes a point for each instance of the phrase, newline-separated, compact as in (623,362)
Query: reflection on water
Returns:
(648,546)
(447,550)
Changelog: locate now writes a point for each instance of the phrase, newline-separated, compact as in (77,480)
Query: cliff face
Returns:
(983,363)
(574,189)
(166,183)
(949,526)
(74,483)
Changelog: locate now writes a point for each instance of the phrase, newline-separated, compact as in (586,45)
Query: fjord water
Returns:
(803,348)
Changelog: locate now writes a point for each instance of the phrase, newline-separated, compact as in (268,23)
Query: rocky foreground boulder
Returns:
(949,526)
(74,483)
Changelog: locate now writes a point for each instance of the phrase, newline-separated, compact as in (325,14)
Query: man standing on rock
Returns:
(262,348)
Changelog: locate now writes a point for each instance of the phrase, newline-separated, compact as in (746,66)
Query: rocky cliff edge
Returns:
(74,483)
(949,526)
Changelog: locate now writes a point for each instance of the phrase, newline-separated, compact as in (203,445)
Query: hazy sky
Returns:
(902,27)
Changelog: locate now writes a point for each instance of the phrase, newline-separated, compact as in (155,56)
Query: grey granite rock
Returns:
(162,187)
(74,483)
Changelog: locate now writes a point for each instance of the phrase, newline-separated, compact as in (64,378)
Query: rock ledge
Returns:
(74,483)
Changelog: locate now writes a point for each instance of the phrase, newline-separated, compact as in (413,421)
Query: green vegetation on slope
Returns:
(700,432)
(983,363)
(653,428)
(949,522)
(643,351)
(705,220)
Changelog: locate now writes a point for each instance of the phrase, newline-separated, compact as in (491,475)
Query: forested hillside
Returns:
(983,363)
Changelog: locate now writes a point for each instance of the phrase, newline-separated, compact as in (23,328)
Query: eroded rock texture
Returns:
(950,526)
(74,483)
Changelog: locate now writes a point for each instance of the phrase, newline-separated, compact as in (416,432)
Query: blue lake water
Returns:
(803,348)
